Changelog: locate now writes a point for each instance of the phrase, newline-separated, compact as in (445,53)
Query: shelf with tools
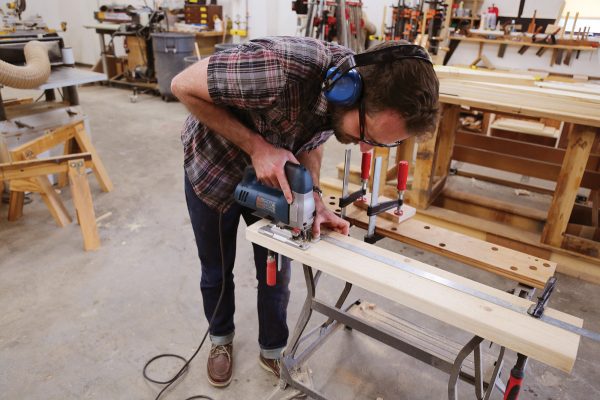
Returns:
(523,43)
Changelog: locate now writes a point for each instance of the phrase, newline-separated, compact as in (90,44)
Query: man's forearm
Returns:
(312,161)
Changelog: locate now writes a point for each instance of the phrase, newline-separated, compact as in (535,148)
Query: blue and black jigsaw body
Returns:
(292,221)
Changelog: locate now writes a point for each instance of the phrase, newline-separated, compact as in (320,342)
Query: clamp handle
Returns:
(271,270)
(365,166)
(536,310)
(515,381)
(402,175)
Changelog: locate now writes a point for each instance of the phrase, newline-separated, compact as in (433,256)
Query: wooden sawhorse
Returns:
(64,135)
(27,173)
(32,175)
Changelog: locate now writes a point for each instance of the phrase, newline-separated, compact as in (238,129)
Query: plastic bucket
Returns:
(224,46)
(170,51)
(191,60)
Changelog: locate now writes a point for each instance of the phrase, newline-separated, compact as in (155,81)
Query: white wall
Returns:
(588,63)
(275,17)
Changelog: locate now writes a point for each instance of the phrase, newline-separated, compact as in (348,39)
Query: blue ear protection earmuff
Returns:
(346,89)
(343,84)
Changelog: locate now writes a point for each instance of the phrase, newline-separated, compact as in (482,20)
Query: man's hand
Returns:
(269,163)
(325,217)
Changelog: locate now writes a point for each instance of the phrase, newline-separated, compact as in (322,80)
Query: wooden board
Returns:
(452,72)
(523,166)
(502,261)
(532,128)
(37,167)
(520,149)
(515,99)
(571,87)
(568,262)
(519,332)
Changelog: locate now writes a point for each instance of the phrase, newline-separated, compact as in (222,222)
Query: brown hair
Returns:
(408,86)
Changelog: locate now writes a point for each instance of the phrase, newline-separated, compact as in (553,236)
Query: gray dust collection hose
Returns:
(33,74)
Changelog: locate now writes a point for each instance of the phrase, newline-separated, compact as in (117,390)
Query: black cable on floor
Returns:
(184,369)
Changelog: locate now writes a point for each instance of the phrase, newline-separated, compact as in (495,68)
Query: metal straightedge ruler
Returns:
(458,286)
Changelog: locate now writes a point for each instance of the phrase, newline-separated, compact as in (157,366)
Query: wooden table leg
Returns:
(576,157)
(437,151)
(404,152)
(445,142)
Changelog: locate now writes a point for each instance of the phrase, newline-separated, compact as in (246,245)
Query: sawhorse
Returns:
(356,317)
(29,151)
(27,173)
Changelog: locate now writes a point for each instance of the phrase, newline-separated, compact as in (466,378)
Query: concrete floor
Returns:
(77,325)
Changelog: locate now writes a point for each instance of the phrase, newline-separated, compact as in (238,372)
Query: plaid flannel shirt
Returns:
(273,86)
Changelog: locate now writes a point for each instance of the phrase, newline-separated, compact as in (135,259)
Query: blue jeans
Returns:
(271,302)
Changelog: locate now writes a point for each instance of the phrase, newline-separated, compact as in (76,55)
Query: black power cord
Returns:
(186,364)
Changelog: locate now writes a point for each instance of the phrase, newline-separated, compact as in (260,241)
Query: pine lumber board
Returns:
(517,331)
(469,74)
(524,166)
(37,167)
(466,247)
(48,141)
(571,87)
(502,261)
(520,149)
(518,101)
(515,125)
(458,193)
(568,262)
(23,185)
(543,91)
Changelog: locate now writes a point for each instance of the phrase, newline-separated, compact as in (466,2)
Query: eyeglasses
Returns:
(361,120)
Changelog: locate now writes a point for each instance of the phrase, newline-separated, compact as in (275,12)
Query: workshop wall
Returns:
(588,63)
(275,17)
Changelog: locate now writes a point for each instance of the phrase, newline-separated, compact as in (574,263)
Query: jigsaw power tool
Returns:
(292,222)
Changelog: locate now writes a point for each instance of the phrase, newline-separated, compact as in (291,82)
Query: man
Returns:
(262,104)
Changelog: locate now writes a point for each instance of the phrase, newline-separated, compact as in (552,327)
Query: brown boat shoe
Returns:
(271,365)
(220,365)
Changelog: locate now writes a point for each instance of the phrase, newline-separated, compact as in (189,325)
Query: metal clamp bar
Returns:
(347,156)
(374,200)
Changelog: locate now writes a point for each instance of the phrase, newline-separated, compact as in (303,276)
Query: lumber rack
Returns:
(405,337)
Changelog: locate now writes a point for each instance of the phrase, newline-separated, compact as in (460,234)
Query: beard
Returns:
(337,118)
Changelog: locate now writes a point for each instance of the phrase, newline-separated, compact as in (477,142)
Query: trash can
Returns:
(224,46)
(170,51)
(191,60)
